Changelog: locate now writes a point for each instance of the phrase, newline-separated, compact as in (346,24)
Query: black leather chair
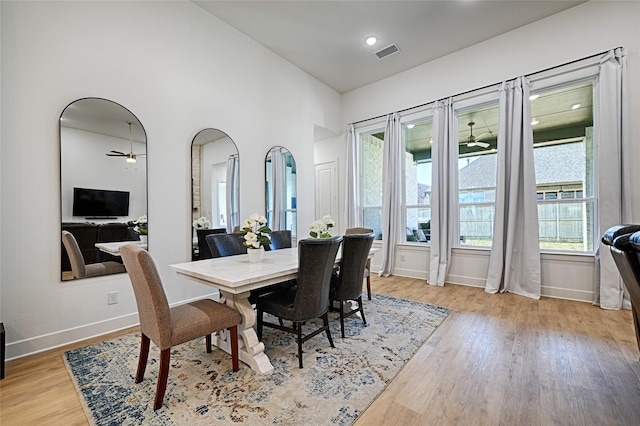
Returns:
(280,239)
(204,252)
(222,245)
(308,298)
(624,244)
(367,271)
(346,284)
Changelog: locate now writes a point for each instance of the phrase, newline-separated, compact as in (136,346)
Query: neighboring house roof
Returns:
(554,163)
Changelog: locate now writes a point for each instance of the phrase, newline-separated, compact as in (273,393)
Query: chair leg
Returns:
(234,347)
(299,339)
(208,343)
(342,317)
(369,286)
(142,359)
(163,375)
(361,309)
(325,321)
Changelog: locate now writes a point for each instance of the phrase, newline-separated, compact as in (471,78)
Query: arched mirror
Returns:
(215,187)
(103,186)
(281,193)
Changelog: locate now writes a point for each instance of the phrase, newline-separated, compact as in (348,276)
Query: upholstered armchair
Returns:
(308,298)
(367,271)
(168,327)
(346,285)
(78,266)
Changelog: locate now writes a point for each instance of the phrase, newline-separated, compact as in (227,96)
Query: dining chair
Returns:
(308,297)
(367,271)
(346,284)
(204,252)
(168,327)
(624,245)
(280,239)
(222,245)
(81,270)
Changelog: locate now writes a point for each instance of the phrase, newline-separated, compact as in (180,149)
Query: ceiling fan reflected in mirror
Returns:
(130,156)
(475,141)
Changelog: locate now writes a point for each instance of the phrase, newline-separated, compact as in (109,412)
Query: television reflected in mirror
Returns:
(103,185)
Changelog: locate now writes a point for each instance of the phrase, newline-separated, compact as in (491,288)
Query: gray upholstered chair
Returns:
(168,327)
(222,245)
(308,298)
(79,268)
(346,285)
(204,252)
(280,239)
(367,271)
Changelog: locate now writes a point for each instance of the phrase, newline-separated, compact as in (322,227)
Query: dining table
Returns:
(113,247)
(235,277)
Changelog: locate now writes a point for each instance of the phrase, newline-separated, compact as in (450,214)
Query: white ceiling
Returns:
(326,38)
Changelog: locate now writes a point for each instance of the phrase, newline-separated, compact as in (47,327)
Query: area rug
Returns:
(335,386)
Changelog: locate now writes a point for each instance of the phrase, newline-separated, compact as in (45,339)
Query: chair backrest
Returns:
(226,244)
(316,258)
(280,239)
(153,306)
(203,248)
(351,231)
(75,255)
(355,252)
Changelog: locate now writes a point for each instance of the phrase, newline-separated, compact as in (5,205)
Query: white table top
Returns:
(235,274)
(114,247)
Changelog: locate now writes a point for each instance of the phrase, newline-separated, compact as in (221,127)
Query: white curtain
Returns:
(514,264)
(233,193)
(353,179)
(391,192)
(444,178)
(277,219)
(612,140)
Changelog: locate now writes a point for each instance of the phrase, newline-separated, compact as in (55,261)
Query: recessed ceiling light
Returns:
(533,97)
(576,106)
(534,122)
(371,40)
(410,126)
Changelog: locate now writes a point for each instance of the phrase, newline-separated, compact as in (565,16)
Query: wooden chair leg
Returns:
(325,321)
(142,359)
(361,309)
(163,375)
(369,286)
(208,343)
(234,347)
(342,317)
(299,339)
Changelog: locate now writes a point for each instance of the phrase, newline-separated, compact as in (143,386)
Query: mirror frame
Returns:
(107,121)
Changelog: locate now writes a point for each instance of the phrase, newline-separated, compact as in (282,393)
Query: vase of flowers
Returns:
(141,228)
(201,223)
(320,228)
(257,235)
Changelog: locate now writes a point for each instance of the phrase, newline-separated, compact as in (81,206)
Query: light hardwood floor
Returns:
(496,360)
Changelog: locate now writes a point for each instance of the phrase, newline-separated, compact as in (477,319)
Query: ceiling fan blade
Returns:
(116,153)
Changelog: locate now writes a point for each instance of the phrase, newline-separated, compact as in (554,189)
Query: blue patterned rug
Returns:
(335,386)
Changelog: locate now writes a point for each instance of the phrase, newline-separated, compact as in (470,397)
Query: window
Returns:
(417,168)
(477,166)
(562,119)
(372,150)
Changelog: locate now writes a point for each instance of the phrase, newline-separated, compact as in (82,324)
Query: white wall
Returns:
(179,70)
(579,32)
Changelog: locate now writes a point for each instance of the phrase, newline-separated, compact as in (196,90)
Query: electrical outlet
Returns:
(112,297)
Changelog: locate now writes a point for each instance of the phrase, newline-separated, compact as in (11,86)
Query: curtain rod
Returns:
(489,85)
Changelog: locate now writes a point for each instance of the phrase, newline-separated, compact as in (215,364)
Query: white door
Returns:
(327,190)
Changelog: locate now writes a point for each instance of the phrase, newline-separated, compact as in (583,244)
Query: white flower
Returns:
(320,228)
(252,240)
(202,223)
(255,230)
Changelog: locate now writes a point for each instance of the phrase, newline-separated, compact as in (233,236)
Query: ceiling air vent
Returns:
(389,50)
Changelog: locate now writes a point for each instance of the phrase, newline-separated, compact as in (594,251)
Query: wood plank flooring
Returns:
(497,360)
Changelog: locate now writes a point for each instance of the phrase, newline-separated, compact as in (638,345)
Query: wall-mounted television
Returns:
(100,203)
